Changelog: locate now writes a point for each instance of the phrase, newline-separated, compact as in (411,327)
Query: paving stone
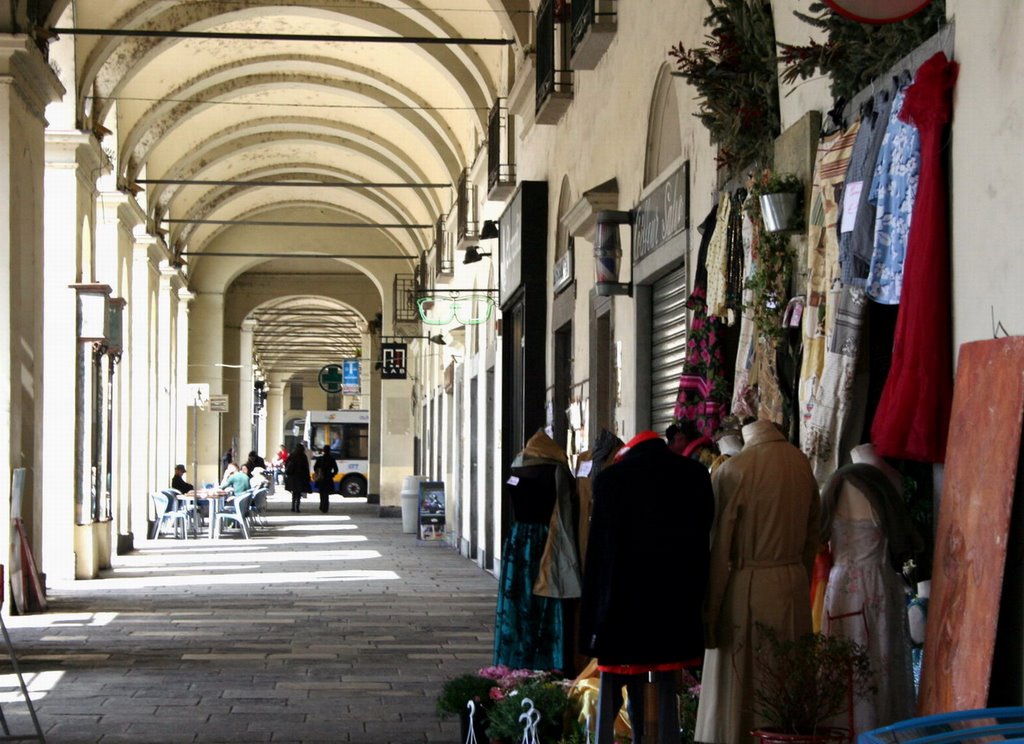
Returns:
(266,659)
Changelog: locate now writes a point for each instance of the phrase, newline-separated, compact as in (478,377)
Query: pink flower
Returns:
(496,693)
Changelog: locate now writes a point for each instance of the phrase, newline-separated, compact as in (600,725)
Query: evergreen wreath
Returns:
(735,74)
(856,53)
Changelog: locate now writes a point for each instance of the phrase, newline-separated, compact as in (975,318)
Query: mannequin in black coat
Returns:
(646,569)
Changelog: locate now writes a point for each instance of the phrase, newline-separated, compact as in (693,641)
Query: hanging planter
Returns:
(778,210)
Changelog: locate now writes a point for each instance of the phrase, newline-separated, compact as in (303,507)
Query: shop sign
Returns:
(662,214)
(511,241)
(393,361)
(350,383)
(563,272)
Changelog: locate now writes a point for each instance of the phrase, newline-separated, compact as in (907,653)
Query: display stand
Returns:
(7,736)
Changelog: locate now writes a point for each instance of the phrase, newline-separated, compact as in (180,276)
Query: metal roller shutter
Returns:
(668,345)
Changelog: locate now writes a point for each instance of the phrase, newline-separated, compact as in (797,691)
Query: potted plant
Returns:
(801,685)
(457,692)
(779,197)
(550,701)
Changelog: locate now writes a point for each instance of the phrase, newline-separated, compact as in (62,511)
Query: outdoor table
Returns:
(216,497)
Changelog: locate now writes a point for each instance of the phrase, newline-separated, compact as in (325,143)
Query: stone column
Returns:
(27,84)
(72,160)
(183,407)
(275,413)
(117,217)
(205,353)
(166,379)
(245,392)
(145,257)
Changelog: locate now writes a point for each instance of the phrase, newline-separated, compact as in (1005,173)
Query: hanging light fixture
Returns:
(608,253)
(473,255)
(489,231)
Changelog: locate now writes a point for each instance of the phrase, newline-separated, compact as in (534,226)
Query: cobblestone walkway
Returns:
(335,628)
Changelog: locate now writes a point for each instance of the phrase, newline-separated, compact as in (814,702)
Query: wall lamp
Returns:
(489,231)
(473,255)
(608,253)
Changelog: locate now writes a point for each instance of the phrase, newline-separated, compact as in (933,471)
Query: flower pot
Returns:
(825,735)
(777,210)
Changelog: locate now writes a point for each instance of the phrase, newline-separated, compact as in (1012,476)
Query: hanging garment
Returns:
(837,412)
(857,221)
(865,600)
(912,420)
(647,559)
(703,388)
(744,393)
(716,263)
(893,192)
(765,540)
(528,628)
(831,164)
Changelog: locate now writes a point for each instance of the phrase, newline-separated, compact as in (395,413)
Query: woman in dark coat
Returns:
(296,475)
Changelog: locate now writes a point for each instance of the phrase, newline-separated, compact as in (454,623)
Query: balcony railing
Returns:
(554,83)
(444,255)
(593,28)
(501,169)
(465,209)
(405,298)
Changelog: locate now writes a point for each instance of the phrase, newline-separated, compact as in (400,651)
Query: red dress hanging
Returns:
(912,419)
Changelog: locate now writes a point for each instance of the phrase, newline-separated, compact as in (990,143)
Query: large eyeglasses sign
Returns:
(442,309)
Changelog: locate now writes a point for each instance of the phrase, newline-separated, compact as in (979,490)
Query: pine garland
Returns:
(736,79)
(856,53)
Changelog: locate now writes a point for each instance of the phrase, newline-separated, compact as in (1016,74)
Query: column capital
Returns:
(116,206)
(248,325)
(35,81)
(185,296)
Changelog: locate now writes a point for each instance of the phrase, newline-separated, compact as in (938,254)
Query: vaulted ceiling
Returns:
(353,116)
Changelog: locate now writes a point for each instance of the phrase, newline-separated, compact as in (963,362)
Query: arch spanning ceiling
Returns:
(194,120)
(296,334)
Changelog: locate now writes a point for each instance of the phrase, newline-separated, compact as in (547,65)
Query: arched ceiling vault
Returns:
(194,121)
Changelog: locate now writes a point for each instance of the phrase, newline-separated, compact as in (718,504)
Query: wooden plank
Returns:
(974,521)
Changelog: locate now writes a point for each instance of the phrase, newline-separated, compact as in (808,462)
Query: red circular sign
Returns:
(877,11)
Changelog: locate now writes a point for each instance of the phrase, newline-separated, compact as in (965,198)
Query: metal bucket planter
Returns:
(778,210)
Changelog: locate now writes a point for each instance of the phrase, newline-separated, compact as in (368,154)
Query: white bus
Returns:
(347,435)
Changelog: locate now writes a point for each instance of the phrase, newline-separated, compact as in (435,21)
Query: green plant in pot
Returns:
(457,692)
(550,699)
(802,685)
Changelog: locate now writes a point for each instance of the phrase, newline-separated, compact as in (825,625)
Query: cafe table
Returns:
(216,497)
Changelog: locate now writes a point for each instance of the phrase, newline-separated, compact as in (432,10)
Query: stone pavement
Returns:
(336,628)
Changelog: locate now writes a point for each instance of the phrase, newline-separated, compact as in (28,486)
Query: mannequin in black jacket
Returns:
(645,575)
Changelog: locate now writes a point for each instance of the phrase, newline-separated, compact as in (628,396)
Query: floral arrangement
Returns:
(498,692)
(735,75)
(689,698)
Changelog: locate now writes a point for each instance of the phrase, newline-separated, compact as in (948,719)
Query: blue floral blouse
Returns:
(893,190)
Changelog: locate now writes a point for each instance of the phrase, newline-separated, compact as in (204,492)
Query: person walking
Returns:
(296,475)
(325,468)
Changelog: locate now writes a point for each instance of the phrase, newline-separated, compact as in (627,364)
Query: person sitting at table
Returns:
(257,479)
(178,482)
(235,480)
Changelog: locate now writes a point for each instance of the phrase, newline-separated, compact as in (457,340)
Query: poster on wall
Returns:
(431,511)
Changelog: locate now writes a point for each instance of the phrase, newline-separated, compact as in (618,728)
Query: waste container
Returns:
(410,502)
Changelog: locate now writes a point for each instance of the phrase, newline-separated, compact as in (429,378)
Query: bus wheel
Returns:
(353,486)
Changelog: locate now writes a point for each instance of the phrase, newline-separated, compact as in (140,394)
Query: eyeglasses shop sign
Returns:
(662,214)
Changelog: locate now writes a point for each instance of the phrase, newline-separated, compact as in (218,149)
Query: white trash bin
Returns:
(410,502)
